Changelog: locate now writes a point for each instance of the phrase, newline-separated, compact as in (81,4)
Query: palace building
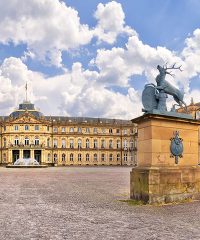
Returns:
(59,140)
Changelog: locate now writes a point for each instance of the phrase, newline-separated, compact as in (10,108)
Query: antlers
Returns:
(172,67)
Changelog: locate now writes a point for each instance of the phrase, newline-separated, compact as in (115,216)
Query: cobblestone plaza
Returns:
(84,203)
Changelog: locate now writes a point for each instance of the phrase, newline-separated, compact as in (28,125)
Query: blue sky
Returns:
(92,58)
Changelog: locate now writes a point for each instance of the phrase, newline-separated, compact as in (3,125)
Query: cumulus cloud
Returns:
(48,27)
(110,22)
(74,93)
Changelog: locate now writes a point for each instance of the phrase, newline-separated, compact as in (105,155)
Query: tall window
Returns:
(110,157)
(48,142)
(37,141)
(125,144)
(110,130)
(63,157)
(36,127)
(16,127)
(95,130)
(79,157)
(63,143)
(131,144)
(4,142)
(4,128)
(110,143)
(118,131)
(71,143)
(87,130)
(125,157)
(71,130)
(125,131)
(26,127)
(95,143)
(47,128)
(55,158)
(79,143)
(95,157)
(103,143)
(49,157)
(87,143)
(102,157)
(87,157)
(118,157)
(79,130)
(4,157)
(55,143)
(71,157)
(55,129)
(118,144)
(63,129)
(16,142)
(26,141)
(103,130)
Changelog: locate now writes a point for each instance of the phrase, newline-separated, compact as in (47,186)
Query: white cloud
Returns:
(48,27)
(74,93)
(110,22)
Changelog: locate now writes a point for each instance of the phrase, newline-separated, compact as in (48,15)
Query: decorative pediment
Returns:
(27,118)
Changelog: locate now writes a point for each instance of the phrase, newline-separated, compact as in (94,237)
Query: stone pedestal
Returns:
(157,178)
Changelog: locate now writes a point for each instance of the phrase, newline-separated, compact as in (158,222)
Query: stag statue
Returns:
(154,96)
(164,85)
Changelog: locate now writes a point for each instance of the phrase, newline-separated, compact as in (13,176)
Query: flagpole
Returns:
(26,87)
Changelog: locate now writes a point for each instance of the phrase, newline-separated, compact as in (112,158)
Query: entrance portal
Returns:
(15,155)
(37,155)
(26,154)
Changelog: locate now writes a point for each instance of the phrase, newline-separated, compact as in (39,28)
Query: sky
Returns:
(92,58)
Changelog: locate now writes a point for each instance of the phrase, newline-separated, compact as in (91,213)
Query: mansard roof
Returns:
(26,106)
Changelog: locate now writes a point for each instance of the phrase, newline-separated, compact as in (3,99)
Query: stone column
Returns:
(20,153)
(32,154)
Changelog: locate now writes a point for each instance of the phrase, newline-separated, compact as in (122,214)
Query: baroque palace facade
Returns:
(27,133)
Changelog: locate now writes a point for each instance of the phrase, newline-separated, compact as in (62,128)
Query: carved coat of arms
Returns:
(176,146)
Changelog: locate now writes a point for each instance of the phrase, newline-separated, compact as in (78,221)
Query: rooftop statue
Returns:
(154,96)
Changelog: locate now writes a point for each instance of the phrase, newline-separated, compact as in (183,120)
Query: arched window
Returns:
(71,157)
(110,143)
(102,157)
(26,141)
(125,144)
(55,158)
(79,143)
(16,142)
(4,157)
(103,143)
(125,157)
(79,157)
(87,143)
(110,157)
(48,142)
(87,157)
(131,144)
(118,144)
(4,142)
(118,157)
(37,141)
(55,143)
(71,143)
(95,157)
(63,143)
(95,143)
(63,157)
(49,157)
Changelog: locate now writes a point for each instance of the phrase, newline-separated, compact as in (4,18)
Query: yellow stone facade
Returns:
(64,141)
